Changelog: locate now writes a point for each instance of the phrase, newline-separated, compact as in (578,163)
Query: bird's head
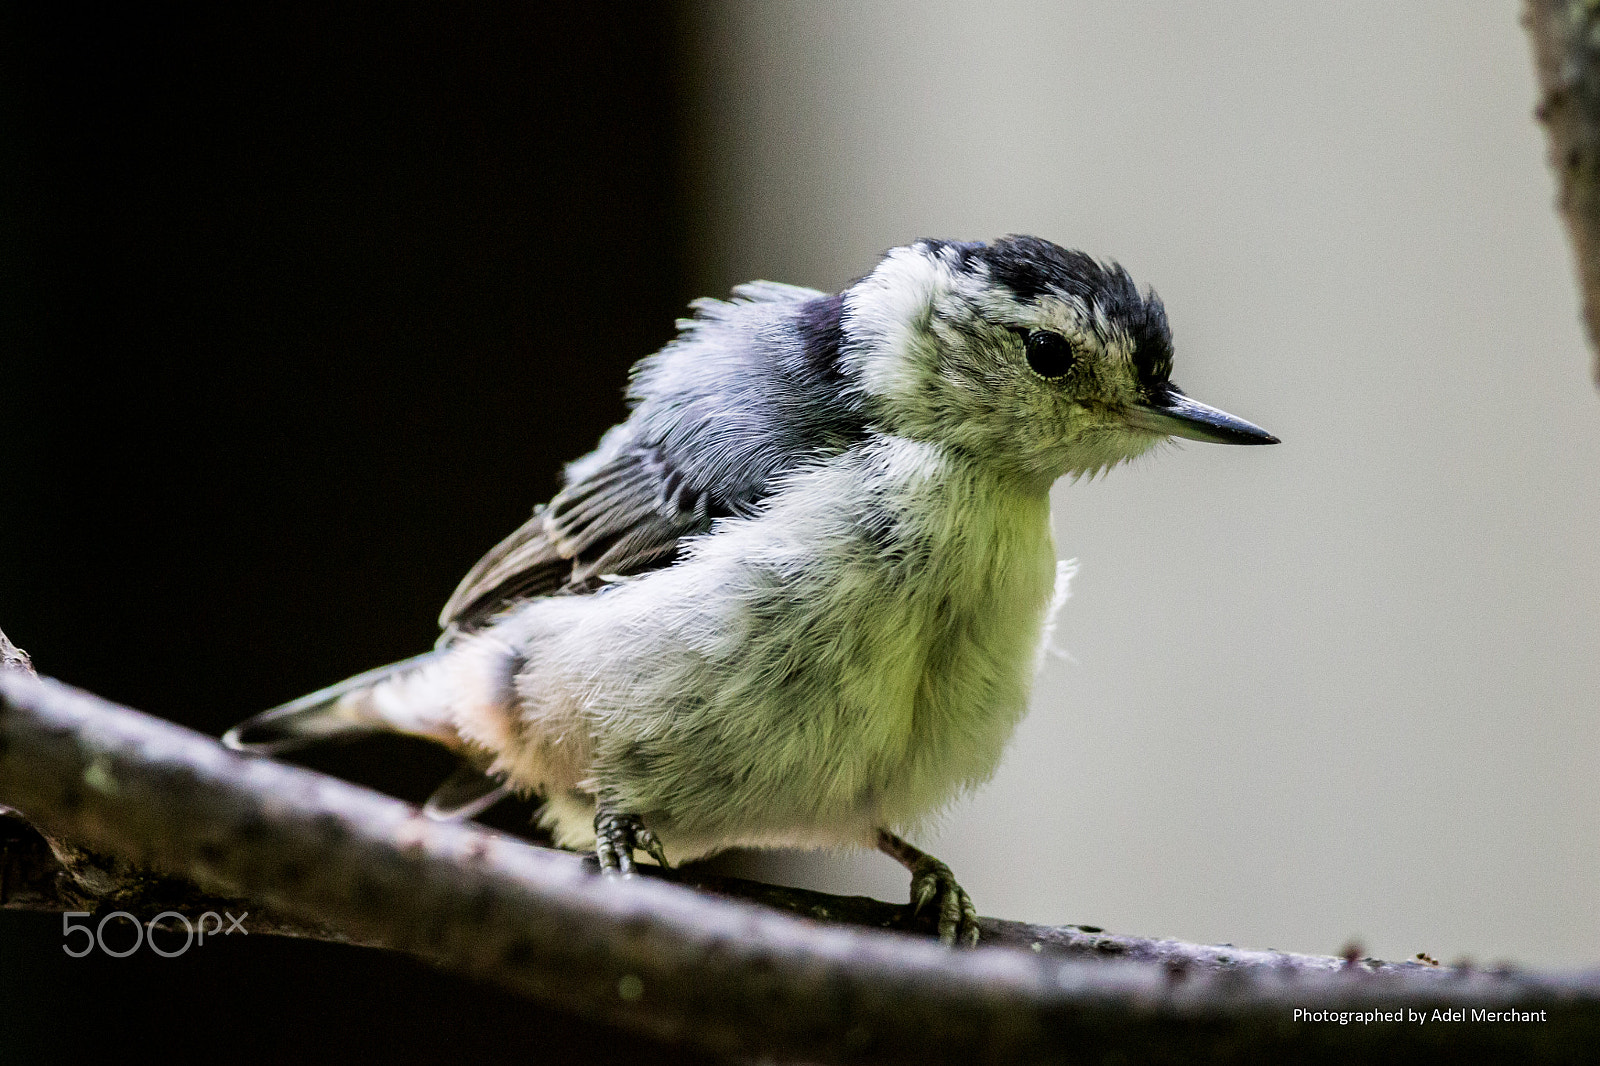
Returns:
(1028,356)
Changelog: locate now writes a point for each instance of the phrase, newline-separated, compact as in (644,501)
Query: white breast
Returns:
(854,656)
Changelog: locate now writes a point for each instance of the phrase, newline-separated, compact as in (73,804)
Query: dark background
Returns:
(303,310)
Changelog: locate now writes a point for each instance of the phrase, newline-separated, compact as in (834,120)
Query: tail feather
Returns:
(355,707)
(465,794)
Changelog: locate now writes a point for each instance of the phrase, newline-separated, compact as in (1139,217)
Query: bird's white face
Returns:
(1034,384)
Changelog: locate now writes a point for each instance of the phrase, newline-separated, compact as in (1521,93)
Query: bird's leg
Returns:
(615,837)
(932,880)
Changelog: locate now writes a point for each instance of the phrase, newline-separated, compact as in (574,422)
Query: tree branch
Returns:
(665,959)
(32,878)
(1566,49)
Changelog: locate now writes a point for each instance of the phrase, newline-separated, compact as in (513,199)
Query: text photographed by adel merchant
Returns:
(1412,1016)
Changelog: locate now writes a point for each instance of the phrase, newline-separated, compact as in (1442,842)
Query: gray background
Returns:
(1340,689)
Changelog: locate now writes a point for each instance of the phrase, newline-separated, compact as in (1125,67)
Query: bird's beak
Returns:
(1174,414)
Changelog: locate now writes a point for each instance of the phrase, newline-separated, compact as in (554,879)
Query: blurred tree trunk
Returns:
(1566,49)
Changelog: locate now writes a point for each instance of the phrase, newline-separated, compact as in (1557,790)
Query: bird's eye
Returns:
(1050,355)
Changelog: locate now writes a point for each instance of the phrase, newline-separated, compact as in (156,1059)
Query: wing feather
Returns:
(621,521)
(742,394)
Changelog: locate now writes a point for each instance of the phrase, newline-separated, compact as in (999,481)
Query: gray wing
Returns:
(749,390)
(626,518)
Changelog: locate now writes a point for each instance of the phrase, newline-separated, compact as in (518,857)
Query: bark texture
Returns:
(178,813)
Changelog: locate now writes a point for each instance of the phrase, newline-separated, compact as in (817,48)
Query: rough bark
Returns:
(684,964)
(1566,49)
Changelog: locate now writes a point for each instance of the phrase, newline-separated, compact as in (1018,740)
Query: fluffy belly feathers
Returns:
(784,683)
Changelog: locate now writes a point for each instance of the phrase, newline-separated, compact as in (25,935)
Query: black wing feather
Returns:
(622,521)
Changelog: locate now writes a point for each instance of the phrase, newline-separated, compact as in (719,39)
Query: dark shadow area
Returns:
(304,308)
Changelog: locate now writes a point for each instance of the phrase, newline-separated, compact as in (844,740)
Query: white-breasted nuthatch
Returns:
(796,598)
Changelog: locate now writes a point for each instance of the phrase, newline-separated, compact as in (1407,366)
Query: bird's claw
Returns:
(932,882)
(615,838)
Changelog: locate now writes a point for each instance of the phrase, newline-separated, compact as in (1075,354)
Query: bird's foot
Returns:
(615,838)
(932,882)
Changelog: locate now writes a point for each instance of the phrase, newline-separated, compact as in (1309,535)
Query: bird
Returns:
(798,597)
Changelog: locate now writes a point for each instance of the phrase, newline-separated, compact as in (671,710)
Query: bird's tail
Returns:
(398,698)
(411,696)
